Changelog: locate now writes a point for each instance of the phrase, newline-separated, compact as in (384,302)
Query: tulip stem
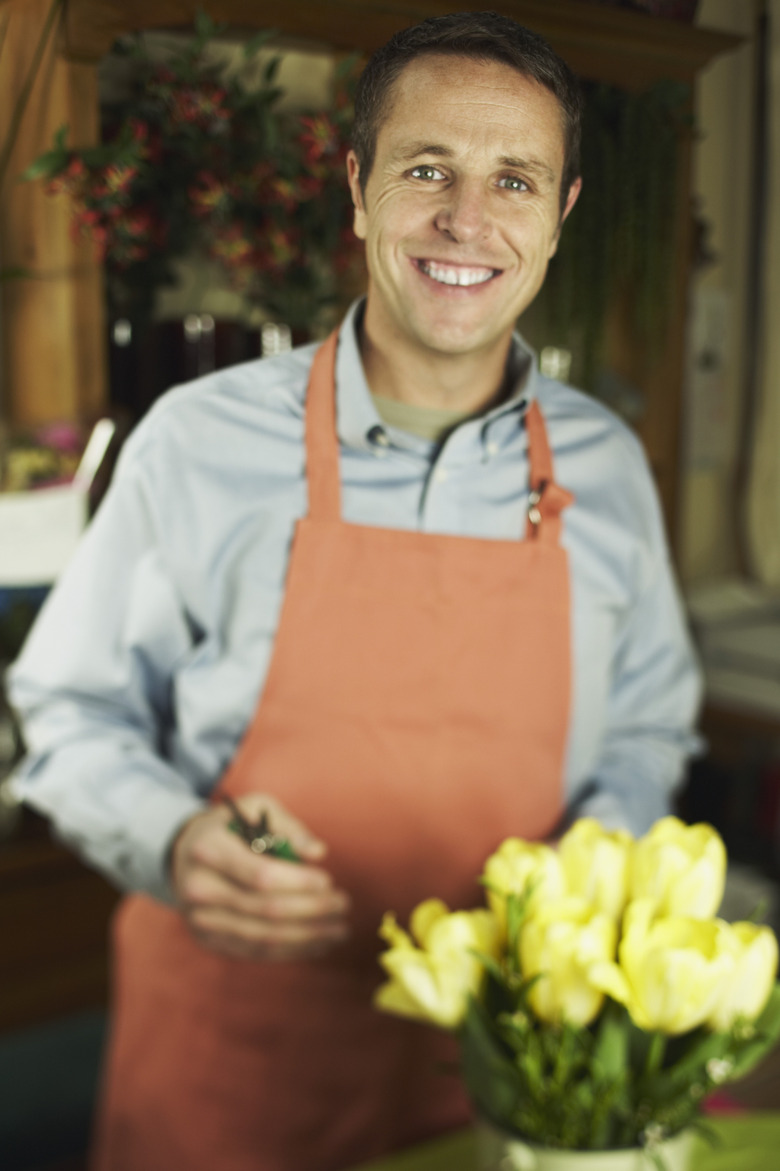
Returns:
(655,1054)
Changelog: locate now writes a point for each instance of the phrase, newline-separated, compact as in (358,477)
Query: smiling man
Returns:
(461,210)
(400,595)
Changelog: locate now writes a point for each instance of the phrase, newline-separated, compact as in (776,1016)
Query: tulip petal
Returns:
(391,997)
(609,978)
(392,933)
(423,918)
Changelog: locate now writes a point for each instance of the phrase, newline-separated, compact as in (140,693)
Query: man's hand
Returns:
(249,906)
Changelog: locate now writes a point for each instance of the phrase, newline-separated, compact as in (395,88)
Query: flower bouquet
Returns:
(597,999)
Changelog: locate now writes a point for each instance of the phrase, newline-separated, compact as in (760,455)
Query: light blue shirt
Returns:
(147,661)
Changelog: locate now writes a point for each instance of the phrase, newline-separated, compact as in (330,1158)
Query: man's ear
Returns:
(353,177)
(571,199)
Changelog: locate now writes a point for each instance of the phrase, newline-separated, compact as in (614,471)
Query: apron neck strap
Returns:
(322,449)
(546,499)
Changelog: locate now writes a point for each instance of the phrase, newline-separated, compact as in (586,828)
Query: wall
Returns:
(722,183)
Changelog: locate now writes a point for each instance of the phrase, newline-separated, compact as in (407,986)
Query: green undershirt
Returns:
(431,423)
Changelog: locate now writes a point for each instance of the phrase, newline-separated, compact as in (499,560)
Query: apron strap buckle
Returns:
(534,500)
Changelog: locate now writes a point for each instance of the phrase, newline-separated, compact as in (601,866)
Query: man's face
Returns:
(461,212)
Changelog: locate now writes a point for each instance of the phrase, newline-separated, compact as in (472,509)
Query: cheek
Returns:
(397,216)
(536,235)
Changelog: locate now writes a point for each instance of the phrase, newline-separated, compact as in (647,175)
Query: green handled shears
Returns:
(259,836)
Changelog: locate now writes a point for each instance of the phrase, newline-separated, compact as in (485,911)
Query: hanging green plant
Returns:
(619,242)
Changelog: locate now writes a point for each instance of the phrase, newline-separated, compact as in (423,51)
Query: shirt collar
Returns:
(357,420)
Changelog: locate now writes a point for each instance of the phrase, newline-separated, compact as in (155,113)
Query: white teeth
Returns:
(455,274)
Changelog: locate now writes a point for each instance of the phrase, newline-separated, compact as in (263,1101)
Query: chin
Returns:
(454,339)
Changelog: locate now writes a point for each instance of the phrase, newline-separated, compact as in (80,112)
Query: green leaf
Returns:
(271,70)
(253,46)
(691,1066)
(769,1020)
(45,166)
(489,964)
(751,1055)
(760,911)
(346,67)
(610,1055)
(490,1075)
(51,161)
(205,27)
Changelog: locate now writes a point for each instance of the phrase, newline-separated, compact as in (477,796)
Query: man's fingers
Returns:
(217,848)
(246,935)
(252,905)
(208,888)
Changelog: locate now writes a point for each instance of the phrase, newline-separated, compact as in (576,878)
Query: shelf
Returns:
(625,48)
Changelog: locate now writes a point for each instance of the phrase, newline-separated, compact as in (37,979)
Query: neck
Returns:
(426,378)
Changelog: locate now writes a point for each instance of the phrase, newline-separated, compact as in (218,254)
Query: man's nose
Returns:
(464,214)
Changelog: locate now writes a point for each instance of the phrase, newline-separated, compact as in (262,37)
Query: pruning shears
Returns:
(259,836)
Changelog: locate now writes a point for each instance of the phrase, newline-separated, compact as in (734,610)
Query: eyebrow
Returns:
(531,166)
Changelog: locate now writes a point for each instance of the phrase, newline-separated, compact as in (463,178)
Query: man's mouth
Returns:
(457,274)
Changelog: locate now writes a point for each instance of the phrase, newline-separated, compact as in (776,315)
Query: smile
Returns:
(457,274)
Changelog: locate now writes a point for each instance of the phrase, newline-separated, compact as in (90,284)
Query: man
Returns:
(444,579)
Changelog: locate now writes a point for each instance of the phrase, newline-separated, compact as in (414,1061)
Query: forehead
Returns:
(445,98)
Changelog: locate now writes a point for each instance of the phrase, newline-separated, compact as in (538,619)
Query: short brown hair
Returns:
(483,36)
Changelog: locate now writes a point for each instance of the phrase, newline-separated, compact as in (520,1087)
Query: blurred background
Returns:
(172,200)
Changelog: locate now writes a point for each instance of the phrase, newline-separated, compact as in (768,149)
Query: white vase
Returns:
(498,1151)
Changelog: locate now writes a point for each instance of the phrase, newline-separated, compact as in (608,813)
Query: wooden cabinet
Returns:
(53,918)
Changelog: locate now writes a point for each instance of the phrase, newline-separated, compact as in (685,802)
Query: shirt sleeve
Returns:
(654,694)
(92,687)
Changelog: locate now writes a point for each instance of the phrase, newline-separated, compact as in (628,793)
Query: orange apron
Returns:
(415,714)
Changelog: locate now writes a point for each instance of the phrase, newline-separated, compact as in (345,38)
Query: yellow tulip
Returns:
(559,944)
(595,863)
(681,867)
(432,982)
(670,971)
(745,991)
(517,865)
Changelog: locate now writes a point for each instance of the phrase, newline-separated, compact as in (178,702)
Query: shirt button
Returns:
(492,448)
(440,475)
(378,437)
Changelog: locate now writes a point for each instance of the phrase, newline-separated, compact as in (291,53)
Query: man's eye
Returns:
(428,173)
(514,183)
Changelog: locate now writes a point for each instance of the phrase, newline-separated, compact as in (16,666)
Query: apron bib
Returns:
(415,714)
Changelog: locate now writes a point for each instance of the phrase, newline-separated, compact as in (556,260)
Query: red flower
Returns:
(138,129)
(318,137)
(208,195)
(70,180)
(232,246)
(286,192)
(310,186)
(88,217)
(118,177)
(202,106)
(281,248)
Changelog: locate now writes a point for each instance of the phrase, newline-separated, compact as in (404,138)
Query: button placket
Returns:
(379,440)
